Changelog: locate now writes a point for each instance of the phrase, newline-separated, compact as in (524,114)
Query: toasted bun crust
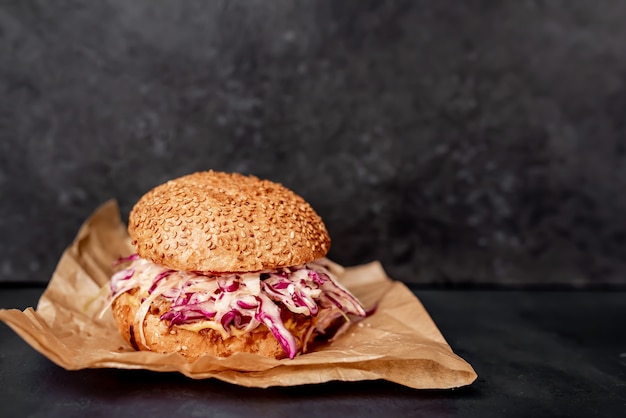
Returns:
(191,344)
(221,222)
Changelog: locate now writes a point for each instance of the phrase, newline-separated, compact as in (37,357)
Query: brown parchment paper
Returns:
(399,342)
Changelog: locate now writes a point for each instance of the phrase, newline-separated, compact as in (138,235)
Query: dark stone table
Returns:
(537,353)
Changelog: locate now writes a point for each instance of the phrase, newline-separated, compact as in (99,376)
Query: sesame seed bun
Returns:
(222,222)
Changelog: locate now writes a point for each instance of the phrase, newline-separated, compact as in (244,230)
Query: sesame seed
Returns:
(197,208)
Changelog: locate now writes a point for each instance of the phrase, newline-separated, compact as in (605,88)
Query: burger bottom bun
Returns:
(161,338)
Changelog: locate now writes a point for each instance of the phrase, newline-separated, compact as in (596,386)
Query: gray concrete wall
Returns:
(457,142)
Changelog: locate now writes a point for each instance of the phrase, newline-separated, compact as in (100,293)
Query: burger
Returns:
(227,263)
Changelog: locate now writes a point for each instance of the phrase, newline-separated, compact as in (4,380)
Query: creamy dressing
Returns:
(236,303)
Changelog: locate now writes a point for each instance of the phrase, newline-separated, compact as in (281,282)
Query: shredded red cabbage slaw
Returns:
(235,303)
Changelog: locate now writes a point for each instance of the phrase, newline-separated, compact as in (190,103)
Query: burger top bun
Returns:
(222,222)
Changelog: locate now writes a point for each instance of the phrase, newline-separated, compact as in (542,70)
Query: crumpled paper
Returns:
(399,342)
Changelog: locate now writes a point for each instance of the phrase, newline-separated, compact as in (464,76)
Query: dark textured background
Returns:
(457,142)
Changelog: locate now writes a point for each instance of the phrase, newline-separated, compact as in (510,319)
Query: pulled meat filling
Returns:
(236,303)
